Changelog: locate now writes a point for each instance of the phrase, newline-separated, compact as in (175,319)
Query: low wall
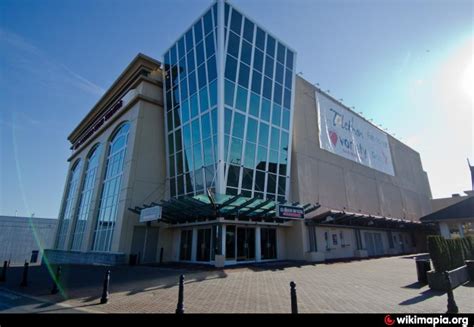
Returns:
(84,258)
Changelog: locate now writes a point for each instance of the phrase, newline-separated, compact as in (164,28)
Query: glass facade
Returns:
(111,190)
(191,108)
(86,197)
(258,77)
(69,205)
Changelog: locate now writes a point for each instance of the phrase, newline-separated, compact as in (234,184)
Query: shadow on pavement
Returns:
(425,295)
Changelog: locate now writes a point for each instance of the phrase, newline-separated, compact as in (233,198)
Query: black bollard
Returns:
(294,301)
(55,289)
(180,307)
(24,281)
(161,256)
(105,291)
(3,277)
(452,307)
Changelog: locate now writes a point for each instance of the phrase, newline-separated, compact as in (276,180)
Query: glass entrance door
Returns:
(245,244)
(268,243)
(203,245)
(186,245)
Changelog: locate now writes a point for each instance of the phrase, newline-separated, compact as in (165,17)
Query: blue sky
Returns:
(404,64)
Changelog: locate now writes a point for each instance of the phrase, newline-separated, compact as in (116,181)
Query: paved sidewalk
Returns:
(385,285)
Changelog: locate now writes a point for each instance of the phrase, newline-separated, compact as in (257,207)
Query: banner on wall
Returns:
(344,133)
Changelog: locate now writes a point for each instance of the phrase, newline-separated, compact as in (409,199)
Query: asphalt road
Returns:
(13,302)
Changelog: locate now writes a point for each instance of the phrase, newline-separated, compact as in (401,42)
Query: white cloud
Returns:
(26,58)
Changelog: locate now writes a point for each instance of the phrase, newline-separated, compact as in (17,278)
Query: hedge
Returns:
(449,254)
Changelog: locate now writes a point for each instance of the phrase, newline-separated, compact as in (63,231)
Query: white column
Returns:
(194,247)
(258,249)
(220,187)
(444,230)
(223,231)
(461,229)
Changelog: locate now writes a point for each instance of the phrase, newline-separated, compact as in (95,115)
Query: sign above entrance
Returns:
(289,212)
(150,214)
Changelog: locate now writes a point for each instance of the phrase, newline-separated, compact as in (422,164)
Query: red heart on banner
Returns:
(333,137)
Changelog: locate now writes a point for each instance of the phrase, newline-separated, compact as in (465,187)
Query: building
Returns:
(241,159)
(24,238)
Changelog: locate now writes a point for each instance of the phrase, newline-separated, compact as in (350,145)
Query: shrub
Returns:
(450,254)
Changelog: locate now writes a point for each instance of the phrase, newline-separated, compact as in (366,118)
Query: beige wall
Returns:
(144,173)
(337,183)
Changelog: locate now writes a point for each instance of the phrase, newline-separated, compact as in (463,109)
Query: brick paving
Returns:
(384,285)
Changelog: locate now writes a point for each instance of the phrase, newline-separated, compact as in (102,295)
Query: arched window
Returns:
(86,197)
(111,190)
(68,205)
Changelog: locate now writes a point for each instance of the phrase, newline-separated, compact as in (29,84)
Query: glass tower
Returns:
(229,89)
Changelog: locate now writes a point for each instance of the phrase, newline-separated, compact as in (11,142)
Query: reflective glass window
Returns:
(231,68)
(202,76)
(254,107)
(239,125)
(252,130)
(187,136)
(210,46)
(233,46)
(203,99)
(244,73)
(263,134)
(233,176)
(198,32)
(276,115)
(197,156)
(212,68)
(200,57)
(265,111)
(289,59)
(258,60)
(194,106)
(269,67)
(235,155)
(246,55)
(195,131)
(236,21)
(259,181)
(247,178)
(277,93)
(189,40)
(260,39)
(275,139)
(286,119)
(207,22)
(248,30)
(206,126)
(213,93)
(249,155)
(192,83)
(241,100)
(270,46)
(190,60)
(281,53)
(267,88)
(256,81)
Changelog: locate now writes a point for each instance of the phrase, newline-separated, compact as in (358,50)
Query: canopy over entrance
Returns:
(210,207)
(343,218)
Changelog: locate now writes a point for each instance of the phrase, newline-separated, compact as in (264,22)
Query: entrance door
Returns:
(378,244)
(186,245)
(374,244)
(245,244)
(369,244)
(203,245)
(144,243)
(268,243)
